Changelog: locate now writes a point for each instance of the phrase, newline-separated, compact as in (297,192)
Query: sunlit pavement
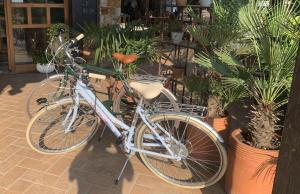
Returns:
(91,169)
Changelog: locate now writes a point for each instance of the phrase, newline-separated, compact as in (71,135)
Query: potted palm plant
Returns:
(211,92)
(222,33)
(266,79)
(220,98)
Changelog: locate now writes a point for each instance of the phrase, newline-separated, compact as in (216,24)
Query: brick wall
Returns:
(110,10)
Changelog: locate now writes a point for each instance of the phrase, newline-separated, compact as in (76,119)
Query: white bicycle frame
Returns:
(82,91)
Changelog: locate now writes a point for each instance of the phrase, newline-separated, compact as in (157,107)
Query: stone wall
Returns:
(110,11)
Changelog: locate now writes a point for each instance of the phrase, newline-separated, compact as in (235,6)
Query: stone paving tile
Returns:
(19,186)
(60,166)
(34,164)
(10,163)
(8,151)
(91,169)
(42,189)
(39,177)
(9,178)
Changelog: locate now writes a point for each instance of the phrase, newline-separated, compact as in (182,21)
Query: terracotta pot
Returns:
(221,125)
(250,170)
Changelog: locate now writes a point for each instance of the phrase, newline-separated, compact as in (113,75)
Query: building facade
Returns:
(23,23)
(23,26)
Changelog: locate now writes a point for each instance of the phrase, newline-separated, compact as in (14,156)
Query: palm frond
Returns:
(212,64)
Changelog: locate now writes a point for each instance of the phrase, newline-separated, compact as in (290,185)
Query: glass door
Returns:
(3,39)
(28,21)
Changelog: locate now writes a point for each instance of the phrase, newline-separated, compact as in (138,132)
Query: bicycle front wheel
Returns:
(48,91)
(46,132)
(203,157)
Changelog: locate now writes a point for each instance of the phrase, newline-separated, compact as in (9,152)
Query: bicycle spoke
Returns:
(196,166)
(48,132)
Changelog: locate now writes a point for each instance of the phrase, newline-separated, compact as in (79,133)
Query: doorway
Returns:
(3,39)
(27,22)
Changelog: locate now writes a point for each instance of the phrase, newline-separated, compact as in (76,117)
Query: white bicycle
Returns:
(178,147)
(57,86)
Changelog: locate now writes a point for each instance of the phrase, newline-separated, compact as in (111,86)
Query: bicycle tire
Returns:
(50,86)
(47,126)
(186,180)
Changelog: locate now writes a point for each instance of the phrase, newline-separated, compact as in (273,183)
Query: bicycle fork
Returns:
(71,116)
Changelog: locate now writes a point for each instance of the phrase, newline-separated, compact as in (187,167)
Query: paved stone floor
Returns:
(91,169)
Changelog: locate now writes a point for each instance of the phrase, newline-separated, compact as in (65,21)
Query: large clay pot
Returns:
(181,2)
(221,126)
(250,170)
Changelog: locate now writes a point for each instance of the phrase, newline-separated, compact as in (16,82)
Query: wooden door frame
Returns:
(8,6)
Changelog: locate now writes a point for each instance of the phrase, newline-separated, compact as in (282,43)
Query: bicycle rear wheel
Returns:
(46,132)
(48,91)
(203,157)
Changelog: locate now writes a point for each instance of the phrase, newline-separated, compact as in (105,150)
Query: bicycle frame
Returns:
(117,74)
(82,91)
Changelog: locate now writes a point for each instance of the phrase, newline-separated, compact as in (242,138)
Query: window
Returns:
(57,15)
(19,15)
(39,15)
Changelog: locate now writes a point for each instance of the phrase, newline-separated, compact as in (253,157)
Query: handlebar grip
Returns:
(79,37)
(97,76)
(75,40)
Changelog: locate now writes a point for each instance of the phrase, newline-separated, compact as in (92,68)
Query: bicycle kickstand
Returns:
(123,169)
(102,133)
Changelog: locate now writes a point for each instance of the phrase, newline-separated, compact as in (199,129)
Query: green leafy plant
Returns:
(54,42)
(110,39)
(220,98)
(38,56)
(198,86)
(223,32)
(53,29)
(175,26)
(267,78)
(144,48)
(105,40)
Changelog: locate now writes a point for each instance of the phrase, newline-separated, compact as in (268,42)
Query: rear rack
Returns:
(139,77)
(193,110)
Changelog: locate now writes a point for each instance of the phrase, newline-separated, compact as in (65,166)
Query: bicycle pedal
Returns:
(41,101)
